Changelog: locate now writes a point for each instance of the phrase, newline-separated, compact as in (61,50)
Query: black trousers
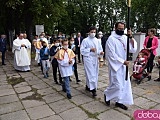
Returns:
(75,70)
(55,68)
(150,63)
(3,56)
(79,54)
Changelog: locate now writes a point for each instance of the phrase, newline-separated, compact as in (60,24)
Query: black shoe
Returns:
(78,81)
(39,64)
(121,106)
(64,90)
(107,102)
(157,80)
(69,96)
(149,78)
(70,80)
(3,64)
(94,92)
(56,82)
(47,74)
(87,88)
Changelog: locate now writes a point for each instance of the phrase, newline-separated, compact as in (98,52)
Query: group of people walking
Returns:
(62,56)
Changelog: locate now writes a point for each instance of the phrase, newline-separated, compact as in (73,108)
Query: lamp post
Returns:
(128,28)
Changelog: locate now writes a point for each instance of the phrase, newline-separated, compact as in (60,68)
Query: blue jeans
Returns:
(66,85)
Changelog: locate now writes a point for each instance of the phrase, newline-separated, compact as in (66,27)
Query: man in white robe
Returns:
(91,49)
(21,50)
(119,89)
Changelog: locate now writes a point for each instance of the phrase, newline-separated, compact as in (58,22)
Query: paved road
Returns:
(37,98)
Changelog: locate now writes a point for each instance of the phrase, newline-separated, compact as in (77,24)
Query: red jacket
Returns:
(154,44)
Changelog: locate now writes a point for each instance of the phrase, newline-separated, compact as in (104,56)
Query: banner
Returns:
(39,29)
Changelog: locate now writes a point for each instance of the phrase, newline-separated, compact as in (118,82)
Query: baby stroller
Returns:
(142,72)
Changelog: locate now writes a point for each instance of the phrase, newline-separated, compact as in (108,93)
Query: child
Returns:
(73,47)
(54,49)
(140,61)
(44,55)
(65,58)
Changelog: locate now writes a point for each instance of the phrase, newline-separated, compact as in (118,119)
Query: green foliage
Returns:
(71,16)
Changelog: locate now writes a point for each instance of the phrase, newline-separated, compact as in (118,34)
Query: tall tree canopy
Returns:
(70,16)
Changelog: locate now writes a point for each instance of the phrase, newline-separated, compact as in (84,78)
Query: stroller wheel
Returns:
(138,82)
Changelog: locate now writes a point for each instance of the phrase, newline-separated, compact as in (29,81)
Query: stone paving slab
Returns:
(11,107)
(144,103)
(61,105)
(6,92)
(23,89)
(74,114)
(19,115)
(95,107)
(2,87)
(54,117)
(40,86)
(8,99)
(113,115)
(53,97)
(40,112)
(24,95)
(22,84)
(46,91)
(32,103)
(81,99)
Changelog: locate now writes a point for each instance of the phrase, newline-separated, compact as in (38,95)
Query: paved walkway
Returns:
(29,96)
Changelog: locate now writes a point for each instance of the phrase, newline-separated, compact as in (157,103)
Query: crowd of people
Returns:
(61,55)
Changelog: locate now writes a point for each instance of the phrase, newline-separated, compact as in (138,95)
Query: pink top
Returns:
(154,44)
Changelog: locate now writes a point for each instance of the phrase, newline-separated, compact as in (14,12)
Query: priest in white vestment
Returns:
(91,49)
(119,89)
(21,50)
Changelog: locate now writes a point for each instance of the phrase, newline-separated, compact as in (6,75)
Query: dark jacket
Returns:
(3,45)
(76,42)
(44,56)
(52,53)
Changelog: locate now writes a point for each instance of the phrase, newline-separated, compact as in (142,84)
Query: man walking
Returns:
(78,41)
(119,89)
(91,49)
(3,44)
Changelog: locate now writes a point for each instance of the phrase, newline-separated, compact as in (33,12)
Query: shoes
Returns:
(70,80)
(87,88)
(56,82)
(107,102)
(45,76)
(149,78)
(157,80)
(3,64)
(64,90)
(39,64)
(69,96)
(94,92)
(78,81)
(121,106)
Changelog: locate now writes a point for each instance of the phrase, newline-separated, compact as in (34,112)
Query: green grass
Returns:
(35,96)
(14,81)
(90,115)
